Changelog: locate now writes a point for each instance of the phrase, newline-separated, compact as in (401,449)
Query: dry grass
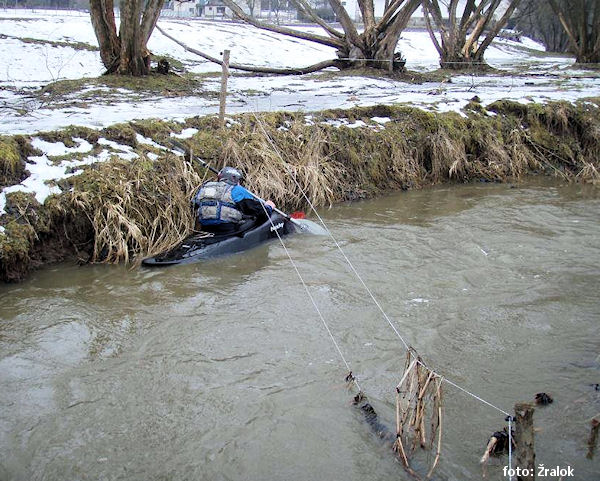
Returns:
(137,208)
(10,161)
(283,165)
(404,166)
(589,174)
(521,159)
(448,157)
(143,207)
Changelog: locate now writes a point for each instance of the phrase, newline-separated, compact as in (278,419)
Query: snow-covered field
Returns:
(527,73)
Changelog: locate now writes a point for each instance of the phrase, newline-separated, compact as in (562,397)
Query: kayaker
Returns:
(223,206)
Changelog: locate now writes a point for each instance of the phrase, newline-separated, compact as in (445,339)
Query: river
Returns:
(223,370)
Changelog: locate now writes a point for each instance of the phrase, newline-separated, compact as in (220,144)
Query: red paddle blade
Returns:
(298,215)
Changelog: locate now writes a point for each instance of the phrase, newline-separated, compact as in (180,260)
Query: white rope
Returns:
(268,137)
(352,377)
(475,396)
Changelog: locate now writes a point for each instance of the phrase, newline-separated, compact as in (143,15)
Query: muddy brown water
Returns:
(223,370)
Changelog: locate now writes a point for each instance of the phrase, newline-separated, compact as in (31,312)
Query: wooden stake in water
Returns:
(593,439)
(223,96)
(524,441)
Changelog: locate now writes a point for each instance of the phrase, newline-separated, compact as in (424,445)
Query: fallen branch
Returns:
(247,68)
(489,449)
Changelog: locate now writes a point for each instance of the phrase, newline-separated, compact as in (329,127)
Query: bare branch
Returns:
(305,7)
(469,8)
(566,25)
(389,12)
(346,21)
(427,12)
(493,33)
(151,14)
(367,9)
(282,30)
(400,20)
(248,68)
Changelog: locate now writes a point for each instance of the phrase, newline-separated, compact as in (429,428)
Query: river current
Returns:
(223,370)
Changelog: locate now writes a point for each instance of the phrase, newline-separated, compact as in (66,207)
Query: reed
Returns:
(136,208)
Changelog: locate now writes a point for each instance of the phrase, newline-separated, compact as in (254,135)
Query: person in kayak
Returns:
(223,206)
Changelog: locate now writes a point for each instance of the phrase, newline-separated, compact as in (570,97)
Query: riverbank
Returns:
(120,193)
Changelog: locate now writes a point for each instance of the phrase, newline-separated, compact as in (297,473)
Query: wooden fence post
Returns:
(524,438)
(223,95)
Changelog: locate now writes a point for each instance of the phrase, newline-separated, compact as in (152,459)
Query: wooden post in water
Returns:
(525,452)
(223,96)
(593,439)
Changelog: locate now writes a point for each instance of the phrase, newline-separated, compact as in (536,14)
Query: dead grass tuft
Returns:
(11,166)
(589,174)
(137,208)
(280,165)
(448,157)
(522,160)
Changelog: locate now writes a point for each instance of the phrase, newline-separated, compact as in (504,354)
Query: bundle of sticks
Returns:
(418,412)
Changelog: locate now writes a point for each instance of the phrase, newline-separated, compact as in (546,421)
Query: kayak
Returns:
(204,245)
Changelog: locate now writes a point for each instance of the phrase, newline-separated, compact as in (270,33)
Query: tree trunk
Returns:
(125,53)
(131,61)
(374,47)
(459,45)
(103,20)
(581,22)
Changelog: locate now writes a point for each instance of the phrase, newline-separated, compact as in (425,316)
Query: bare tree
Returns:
(251,4)
(537,20)
(125,52)
(375,46)
(463,38)
(581,21)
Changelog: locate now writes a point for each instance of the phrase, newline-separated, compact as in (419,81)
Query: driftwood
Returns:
(247,68)
(524,439)
(489,449)
(418,396)
(497,444)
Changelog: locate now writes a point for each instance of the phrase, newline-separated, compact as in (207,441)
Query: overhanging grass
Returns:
(130,209)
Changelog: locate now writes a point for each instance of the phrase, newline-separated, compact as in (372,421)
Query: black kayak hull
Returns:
(196,248)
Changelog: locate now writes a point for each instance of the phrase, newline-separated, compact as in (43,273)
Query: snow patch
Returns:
(125,151)
(59,148)
(45,173)
(146,141)
(381,120)
(185,133)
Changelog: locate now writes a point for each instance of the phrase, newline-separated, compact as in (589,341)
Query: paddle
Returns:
(297,218)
